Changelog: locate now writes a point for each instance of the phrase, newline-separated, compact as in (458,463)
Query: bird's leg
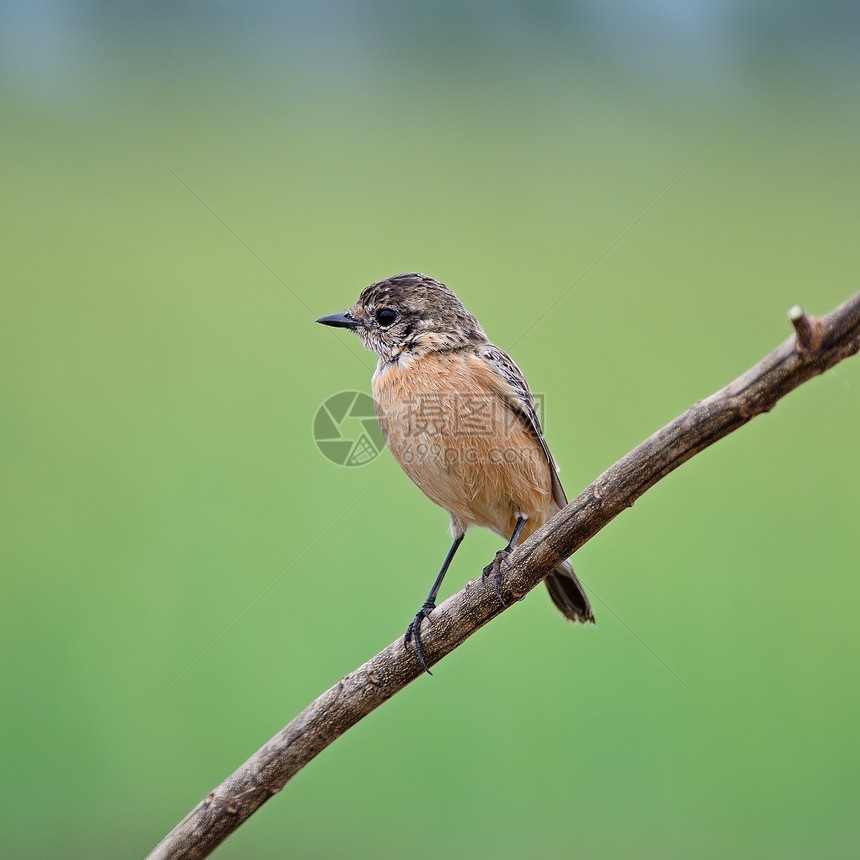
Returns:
(495,566)
(414,628)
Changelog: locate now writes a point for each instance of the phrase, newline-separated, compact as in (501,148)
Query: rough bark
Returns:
(818,344)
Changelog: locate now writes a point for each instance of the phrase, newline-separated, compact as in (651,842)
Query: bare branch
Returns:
(818,344)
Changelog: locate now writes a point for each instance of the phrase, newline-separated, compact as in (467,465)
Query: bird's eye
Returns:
(386,316)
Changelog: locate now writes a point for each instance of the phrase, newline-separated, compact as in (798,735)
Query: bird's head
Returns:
(409,314)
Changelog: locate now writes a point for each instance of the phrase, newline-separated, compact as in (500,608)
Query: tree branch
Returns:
(818,344)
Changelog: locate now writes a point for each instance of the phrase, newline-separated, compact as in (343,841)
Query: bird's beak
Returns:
(343,320)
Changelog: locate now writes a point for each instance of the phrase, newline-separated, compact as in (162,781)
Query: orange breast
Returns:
(448,426)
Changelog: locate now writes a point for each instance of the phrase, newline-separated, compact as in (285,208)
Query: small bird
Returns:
(458,416)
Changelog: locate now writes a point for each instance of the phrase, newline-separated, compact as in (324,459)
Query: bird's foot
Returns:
(495,568)
(414,631)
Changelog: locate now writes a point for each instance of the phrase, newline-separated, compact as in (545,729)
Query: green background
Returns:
(183,571)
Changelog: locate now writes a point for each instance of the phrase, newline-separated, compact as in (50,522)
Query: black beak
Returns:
(340,321)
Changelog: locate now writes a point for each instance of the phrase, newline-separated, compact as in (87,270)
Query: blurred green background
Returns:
(159,384)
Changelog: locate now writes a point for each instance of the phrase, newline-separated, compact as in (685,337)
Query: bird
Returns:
(460,419)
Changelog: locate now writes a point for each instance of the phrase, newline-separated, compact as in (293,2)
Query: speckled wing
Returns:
(520,400)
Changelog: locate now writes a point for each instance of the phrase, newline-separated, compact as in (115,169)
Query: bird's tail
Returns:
(568,595)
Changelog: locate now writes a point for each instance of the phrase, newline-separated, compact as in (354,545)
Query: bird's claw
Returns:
(414,631)
(495,567)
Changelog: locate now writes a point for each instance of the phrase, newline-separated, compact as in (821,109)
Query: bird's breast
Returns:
(454,435)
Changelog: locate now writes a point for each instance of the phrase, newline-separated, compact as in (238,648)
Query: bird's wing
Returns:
(515,392)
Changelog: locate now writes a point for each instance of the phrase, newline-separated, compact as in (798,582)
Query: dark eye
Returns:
(386,316)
